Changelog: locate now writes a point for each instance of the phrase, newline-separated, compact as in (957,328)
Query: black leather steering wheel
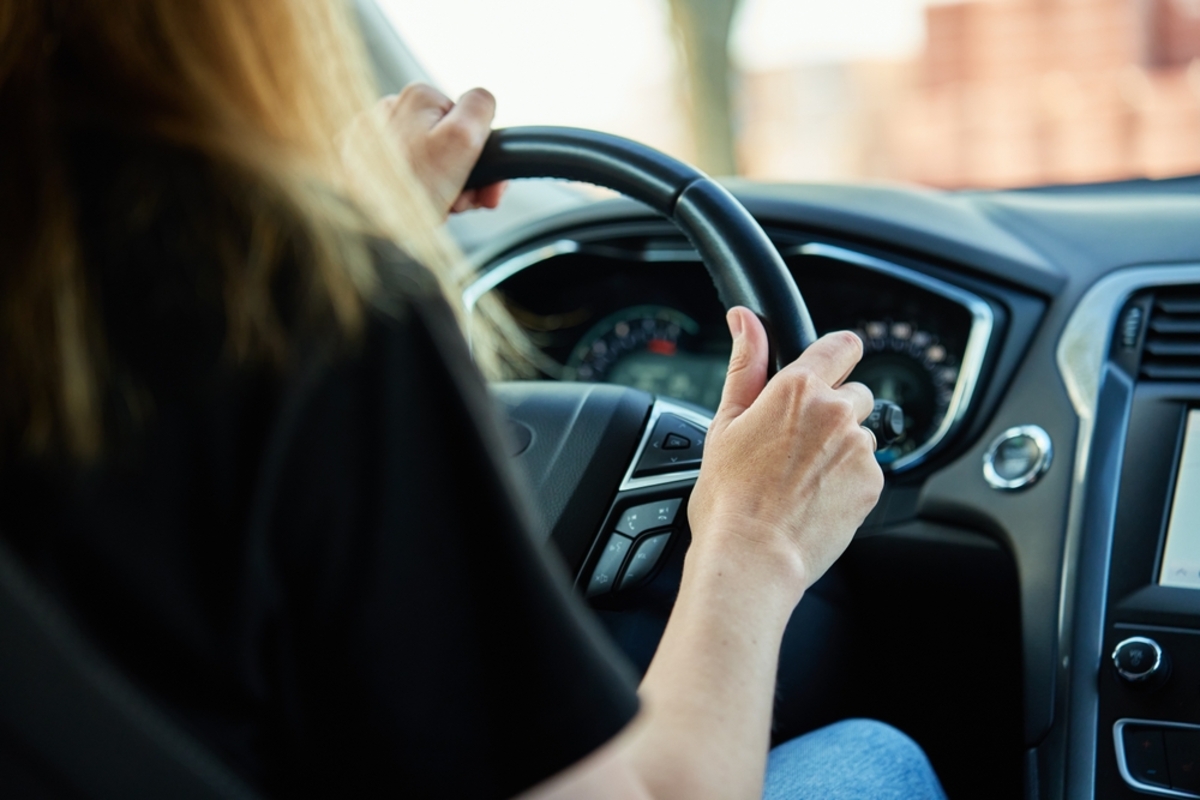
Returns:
(744,265)
(584,445)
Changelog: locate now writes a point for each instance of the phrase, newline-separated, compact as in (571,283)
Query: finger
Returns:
(465,202)
(483,197)
(870,434)
(747,365)
(472,115)
(387,104)
(489,196)
(422,99)
(860,397)
(832,357)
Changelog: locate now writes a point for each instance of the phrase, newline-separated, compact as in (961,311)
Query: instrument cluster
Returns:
(650,319)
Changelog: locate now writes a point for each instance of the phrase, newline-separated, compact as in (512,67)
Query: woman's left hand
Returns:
(442,141)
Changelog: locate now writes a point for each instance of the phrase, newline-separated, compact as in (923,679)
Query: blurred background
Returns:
(981,93)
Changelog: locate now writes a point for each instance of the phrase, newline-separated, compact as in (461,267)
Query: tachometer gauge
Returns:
(912,368)
(650,348)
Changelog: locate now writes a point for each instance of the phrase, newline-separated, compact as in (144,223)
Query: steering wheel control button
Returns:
(1145,756)
(675,444)
(1138,660)
(1183,759)
(605,574)
(1017,458)
(649,516)
(645,558)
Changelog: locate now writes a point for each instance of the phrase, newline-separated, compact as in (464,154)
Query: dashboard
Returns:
(977,615)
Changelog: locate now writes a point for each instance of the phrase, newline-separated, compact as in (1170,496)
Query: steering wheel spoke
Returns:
(649,514)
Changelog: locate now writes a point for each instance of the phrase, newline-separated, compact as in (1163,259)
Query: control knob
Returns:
(1140,661)
(886,422)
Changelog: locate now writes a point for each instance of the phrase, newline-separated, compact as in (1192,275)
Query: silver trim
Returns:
(525,259)
(667,255)
(1134,677)
(1045,456)
(982,323)
(662,406)
(511,266)
(1123,767)
(1137,626)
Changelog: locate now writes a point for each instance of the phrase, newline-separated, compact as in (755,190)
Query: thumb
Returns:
(747,365)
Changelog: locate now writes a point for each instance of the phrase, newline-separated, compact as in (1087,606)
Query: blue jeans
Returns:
(856,759)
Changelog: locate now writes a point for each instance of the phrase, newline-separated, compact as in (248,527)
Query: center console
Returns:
(1148,726)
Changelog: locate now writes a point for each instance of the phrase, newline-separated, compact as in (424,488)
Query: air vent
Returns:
(1172,348)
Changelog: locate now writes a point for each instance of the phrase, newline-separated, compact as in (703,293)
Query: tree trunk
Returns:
(702,30)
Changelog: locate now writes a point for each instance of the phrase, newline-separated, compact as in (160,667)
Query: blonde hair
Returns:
(276,92)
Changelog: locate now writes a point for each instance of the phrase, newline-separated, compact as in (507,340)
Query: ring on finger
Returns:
(874,441)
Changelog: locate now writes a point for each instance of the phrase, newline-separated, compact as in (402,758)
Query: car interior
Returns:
(1023,600)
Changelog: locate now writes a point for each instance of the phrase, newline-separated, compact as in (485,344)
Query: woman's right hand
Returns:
(788,469)
(788,476)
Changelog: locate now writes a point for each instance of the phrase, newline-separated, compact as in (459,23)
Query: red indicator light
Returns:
(662,347)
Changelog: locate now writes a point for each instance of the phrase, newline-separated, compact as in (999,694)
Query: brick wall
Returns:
(1006,93)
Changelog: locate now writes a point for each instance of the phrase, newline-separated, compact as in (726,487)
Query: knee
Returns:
(879,748)
(853,758)
(873,735)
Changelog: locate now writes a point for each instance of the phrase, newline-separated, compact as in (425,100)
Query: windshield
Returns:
(985,93)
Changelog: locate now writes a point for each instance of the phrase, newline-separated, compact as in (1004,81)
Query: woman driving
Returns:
(243,441)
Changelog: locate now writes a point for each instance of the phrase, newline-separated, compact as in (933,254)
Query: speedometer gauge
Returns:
(651,348)
(912,368)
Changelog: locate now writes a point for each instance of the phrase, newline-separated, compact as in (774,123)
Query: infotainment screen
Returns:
(1181,558)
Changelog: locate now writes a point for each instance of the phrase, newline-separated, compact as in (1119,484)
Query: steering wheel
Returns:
(602,452)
